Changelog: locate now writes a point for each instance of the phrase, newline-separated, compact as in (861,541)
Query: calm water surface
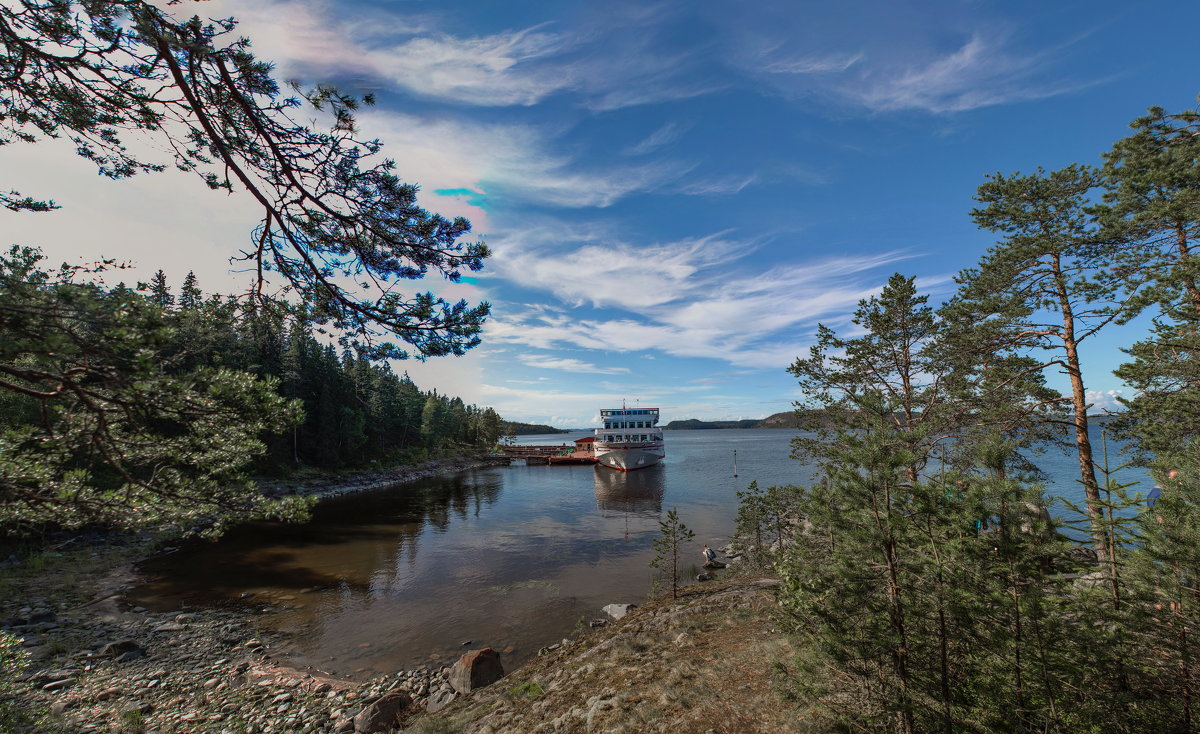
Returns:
(507,557)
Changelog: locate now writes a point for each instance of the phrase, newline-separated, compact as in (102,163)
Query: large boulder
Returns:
(616,611)
(384,714)
(476,669)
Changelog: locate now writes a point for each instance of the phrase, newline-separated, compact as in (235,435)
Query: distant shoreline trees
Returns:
(123,411)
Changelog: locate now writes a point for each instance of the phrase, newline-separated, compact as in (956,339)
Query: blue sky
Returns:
(676,193)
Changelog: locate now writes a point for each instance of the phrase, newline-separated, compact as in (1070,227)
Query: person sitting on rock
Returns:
(710,558)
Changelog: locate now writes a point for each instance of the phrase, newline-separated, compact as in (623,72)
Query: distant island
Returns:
(790,419)
(515,428)
(787,419)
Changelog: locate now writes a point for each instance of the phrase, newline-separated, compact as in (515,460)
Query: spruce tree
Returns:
(190,296)
(160,292)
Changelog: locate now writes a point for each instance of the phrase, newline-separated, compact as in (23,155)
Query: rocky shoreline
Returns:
(325,487)
(209,670)
(99,666)
(136,671)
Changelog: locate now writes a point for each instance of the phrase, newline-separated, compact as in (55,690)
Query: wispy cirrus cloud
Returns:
(568,365)
(664,135)
(873,67)
(696,302)
(495,70)
(980,73)
(473,162)
(540,257)
(607,65)
(831,64)
(718,186)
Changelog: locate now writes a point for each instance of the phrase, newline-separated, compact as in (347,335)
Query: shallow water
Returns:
(507,557)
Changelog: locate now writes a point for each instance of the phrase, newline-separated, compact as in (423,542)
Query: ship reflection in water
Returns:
(637,493)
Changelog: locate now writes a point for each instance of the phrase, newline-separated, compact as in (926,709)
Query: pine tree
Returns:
(890,375)
(671,535)
(1040,286)
(322,213)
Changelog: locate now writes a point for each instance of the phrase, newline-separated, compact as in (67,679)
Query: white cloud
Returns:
(623,274)
(568,365)
(1102,400)
(664,135)
(489,70)
(982,72)
(697,299)
(718,187)
(501,160)
(606,65)
(977,74)
(814,64)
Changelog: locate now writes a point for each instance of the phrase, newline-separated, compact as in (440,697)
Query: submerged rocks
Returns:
(476,669)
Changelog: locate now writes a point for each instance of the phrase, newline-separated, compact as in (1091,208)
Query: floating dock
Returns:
(579,453)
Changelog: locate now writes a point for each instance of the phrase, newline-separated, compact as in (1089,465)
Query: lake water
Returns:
(507,557)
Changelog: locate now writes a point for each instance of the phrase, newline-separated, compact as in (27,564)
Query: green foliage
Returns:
(672,534)
(13,661)
(766,521)
(925,600)
(124,412)
(1041,289)
(110,428)
(530,689)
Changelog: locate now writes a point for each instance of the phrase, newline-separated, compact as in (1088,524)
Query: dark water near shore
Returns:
(507,557)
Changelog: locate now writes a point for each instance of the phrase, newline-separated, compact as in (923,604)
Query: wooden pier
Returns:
(579,453)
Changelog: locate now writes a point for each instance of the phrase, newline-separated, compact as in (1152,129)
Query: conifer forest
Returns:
(929,581)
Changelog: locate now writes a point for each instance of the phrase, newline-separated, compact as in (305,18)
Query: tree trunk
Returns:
(1189,284)
(1083,442)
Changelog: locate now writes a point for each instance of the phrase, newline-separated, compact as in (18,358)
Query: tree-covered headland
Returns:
(928,581)
(138,406)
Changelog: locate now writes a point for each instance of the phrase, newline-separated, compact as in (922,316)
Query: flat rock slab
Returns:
(616,611)
(120,647)
(440,700)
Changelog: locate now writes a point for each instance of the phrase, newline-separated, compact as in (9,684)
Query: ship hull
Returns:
(629,458)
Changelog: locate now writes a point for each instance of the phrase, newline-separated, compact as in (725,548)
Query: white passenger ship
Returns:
(629,438)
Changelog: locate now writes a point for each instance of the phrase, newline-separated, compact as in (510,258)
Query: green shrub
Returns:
(13,660)
(531,689)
